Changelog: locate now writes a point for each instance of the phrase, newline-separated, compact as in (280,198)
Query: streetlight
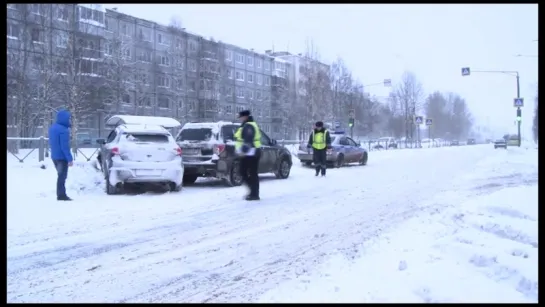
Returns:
(525,56)
(518,101)
(352,112)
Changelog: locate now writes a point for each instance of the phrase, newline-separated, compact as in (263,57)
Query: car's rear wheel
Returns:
(235,178)
(284,168)
(189,179)
(174,188)
(110,189)
(340,161)
(363,159)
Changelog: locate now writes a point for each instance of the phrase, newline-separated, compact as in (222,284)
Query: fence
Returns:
(24,148)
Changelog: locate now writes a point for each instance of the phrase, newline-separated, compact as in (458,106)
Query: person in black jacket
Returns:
(248,145)
(320,142)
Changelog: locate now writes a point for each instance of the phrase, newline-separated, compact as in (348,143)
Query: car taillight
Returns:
(178,151)
(219,148)
(115,151)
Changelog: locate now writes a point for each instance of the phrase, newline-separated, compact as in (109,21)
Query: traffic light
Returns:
(519,115)
(350,122)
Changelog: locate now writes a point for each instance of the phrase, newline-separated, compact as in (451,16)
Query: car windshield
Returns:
(146,137)
(195,134)
(228,132)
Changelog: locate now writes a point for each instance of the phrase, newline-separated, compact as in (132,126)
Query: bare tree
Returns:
(342,87)
(407,97)
(314,89)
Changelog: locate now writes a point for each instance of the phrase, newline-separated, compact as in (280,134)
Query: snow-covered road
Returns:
(207,245)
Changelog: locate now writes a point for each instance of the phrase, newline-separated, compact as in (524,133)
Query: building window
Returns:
(87,67)
(145,56)
(228,109)
(146,101)
(250,94)
(250,77)
(267,80)
(126,99)
(240,58)
(91,15)
(62,40)
(258,63)
(165,61)
(192,46)
(180,84)
(125,30)
(145,34)
(163,102)
(230,73)
(250,60)
(36,9)
(228,55)
(163,81)
(229,91)
(179,43)
(240,92)
(240,109)
(62,13)
(192,65)
(108,49)
(239,76)
(180,63)
(259,79)
(13,31)
(127,53)
(192,86)
(143,78)
(35,35)
(258,95)
(162,39)
(267,65)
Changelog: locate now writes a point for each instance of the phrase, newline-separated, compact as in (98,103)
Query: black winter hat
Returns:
(319,124)
(244,113)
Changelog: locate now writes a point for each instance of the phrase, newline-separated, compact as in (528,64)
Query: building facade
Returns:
(127,65)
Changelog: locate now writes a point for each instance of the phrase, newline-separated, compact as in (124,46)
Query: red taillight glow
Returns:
(115,151)
(218,149)
(178,151)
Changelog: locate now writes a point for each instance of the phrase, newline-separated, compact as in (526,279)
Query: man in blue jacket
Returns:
(59,142)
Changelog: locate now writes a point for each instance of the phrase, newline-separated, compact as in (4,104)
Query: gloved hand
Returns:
(245,148)
(309,146)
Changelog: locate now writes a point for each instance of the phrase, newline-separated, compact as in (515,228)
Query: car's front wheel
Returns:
(235,178)
(340,161)
(363,159)
(284,168)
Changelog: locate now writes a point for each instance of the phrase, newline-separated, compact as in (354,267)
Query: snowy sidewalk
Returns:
(483,249)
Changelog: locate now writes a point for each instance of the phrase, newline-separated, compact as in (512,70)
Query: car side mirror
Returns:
(273,142)
(101,141)
(358,143)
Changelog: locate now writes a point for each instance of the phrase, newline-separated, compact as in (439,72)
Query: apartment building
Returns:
(139,67)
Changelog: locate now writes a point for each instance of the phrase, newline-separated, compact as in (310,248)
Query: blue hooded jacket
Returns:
(59,137)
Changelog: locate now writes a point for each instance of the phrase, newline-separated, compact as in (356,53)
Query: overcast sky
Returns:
(382,41)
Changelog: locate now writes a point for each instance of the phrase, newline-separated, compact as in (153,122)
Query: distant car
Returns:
(141,154)
(454,143)
(208,151)
(512,140)
(500,143)
(387,142)
(344,150)
(471,142)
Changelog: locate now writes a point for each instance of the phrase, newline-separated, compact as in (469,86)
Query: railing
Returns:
(23,148)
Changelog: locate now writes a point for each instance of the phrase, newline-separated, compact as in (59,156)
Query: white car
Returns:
(139,153)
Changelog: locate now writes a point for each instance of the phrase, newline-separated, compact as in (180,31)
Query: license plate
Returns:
(191,152)
(148,172)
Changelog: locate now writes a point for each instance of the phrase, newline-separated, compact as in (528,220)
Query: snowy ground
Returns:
(205,244)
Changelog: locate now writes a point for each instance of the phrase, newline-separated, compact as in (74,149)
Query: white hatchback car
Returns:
(136,153)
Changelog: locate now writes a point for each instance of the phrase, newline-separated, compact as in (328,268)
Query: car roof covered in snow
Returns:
(166,122)
(215,126)
(148,129)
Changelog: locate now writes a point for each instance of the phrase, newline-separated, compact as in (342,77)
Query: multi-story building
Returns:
(139,67)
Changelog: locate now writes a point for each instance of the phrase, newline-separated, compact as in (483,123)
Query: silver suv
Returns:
(139,154)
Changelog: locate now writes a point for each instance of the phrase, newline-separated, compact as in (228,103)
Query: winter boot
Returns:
(252,197)
(323,172)
(317,171)
(64,198)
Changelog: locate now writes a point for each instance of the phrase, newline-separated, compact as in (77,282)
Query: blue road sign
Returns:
(418,120)
(337,124)
(466,71)
(429,121)
(518,102)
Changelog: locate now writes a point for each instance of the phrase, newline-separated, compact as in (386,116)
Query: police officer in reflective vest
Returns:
(320,142)
(248,146)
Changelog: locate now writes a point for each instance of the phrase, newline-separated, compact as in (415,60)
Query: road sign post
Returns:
(418,120)
(429,123)
(387,82)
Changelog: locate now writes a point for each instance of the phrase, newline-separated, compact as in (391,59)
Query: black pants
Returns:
(320,159)
(249,166)
(62,173)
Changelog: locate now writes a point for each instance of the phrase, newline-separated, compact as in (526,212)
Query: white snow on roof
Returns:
(214,126)
(166,122)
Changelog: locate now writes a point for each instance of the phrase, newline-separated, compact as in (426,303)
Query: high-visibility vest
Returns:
(239,140)
(318,140)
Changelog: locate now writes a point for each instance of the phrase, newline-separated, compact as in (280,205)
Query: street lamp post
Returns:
(519,101)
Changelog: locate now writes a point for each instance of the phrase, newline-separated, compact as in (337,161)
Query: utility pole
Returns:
(519,111)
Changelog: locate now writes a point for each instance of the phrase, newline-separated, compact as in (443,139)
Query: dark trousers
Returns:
(62,174)
(249,166)
(320,159)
